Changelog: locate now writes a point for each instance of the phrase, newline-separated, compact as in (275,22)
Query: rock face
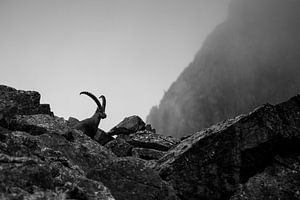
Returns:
(42,157)
(278,181)
(253,156)
(26,102)
(253,57)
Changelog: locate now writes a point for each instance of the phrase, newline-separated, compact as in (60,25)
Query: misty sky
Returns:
(128,50)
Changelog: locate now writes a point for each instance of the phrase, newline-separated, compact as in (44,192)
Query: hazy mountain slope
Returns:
(251,58)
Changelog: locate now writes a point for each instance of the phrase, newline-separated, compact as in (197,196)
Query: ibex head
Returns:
(100,108)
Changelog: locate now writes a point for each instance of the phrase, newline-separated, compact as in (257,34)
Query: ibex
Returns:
(90,125)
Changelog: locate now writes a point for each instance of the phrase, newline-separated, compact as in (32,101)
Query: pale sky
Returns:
(129,50)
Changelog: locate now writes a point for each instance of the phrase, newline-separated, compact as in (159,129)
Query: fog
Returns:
(250,59)
(131,51)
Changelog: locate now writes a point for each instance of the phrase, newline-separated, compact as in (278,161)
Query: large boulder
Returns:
(27,102)
(130,178)
(213,163)
(281,180)
(129,125)
(31,167)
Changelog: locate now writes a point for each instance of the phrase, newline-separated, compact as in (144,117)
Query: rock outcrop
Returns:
(42,157)
(253,57)
(254,156)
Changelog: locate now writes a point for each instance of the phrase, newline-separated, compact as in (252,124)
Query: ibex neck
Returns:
(96,116)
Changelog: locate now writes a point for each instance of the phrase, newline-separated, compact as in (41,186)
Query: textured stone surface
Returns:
(281,180)
(130,178)
(147,154)
(102,137)
(27,102)
(120,147)
(43,157)
(150,140)
(46,166)
(211,164)
(128,125)
(39,124)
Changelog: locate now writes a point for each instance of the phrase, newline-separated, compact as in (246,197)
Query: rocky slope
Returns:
(251,58)
(42,157)
(254,156)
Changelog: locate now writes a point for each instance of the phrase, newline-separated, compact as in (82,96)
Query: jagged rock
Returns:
(41,156)
(128,125)
(72,121)
(212,163)
(148,127)
(27,102)
(102,137)
(279,181)
(39,124)
(29,168)
(147,154)
(146,139)
(130,178)
(120,147)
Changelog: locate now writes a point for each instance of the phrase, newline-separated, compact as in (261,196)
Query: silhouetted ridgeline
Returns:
(42,156)
(251,58)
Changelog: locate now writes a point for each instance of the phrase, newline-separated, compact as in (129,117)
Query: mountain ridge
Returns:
(251,58)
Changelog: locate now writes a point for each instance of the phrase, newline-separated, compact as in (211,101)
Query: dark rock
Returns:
(24,172)
(130,178)
(212,163)
(30,167)
(147,154)
(128,125)
(120,147)
(150,140)
(8,109)
(148,127)
(39,124)
(281,180)
(102,137)
(42,157)
(72,121)
(27,102)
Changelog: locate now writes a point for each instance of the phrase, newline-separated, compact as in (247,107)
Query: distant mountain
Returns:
(253,57)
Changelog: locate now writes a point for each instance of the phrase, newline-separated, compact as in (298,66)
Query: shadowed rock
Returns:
(281,180)
(27,102)
(122,174)
(128,125)
(120,147)
(147,154)
(102,137)
(41,156)
(212,163)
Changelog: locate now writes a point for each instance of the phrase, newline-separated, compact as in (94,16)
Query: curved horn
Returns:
(103,102)
(94,98)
